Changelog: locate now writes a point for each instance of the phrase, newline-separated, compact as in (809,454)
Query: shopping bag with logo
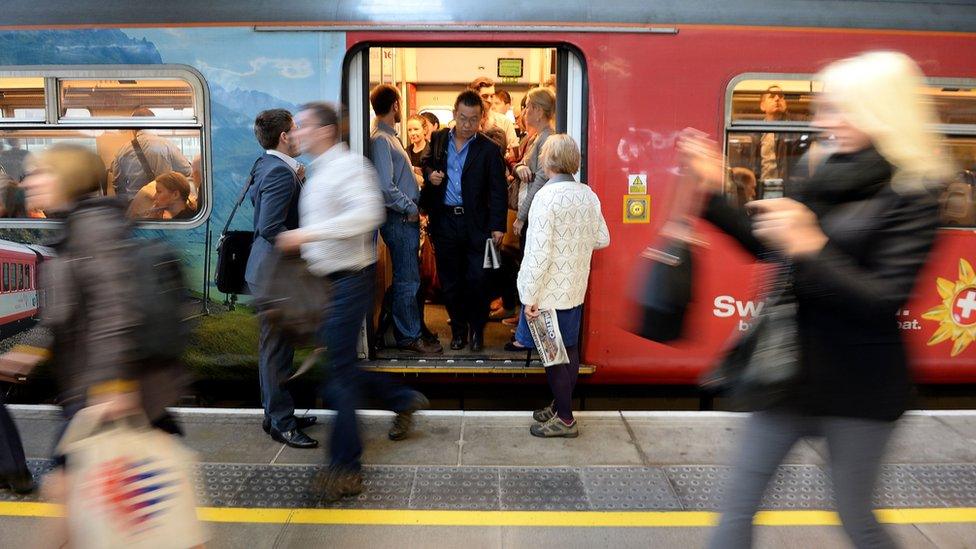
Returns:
(129,485)
(547,337)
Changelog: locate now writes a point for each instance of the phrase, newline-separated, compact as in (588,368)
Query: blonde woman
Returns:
(540,112)
(565,226)
(854,236)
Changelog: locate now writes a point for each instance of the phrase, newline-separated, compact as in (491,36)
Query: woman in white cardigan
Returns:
(565,226)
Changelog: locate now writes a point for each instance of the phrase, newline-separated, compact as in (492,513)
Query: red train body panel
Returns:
(645,88)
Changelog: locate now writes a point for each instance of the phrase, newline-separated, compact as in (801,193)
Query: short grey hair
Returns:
(560,154)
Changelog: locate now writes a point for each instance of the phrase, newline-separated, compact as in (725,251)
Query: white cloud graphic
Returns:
(286,68)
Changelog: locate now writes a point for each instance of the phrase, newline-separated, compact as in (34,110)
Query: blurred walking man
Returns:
(340,208)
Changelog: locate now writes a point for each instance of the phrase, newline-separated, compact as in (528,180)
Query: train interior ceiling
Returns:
(429,80)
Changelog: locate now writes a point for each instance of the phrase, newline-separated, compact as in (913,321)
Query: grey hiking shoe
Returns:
(545,414)
(555,428)
(404,420)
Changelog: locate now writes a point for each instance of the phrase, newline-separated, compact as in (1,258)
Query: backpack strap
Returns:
(143,161)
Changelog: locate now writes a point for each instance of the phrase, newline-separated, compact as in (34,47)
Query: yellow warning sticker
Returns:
(637,208)
(637,183)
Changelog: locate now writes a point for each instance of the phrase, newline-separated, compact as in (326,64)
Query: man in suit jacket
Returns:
(276,184)
(466,198)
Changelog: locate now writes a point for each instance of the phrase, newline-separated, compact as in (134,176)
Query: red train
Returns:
(19,295)
(629,76)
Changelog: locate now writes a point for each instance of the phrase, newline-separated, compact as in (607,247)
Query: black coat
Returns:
(484,190)
(853,361)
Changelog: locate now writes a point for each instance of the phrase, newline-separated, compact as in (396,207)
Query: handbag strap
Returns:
(240,199)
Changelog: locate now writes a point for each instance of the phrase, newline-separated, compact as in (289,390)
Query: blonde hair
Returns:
(544,99)
(78,170)
(560,154)
(879,94)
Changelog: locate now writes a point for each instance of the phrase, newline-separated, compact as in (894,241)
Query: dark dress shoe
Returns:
(421,347)
(477,342)
(304,422)
(514,347)
(294,438)
(20,484)
(458,342)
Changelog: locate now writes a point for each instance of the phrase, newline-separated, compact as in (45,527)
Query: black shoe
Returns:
(404,419)
(477,341)
(421,347)
(458,342)
(513,347)
(20,484)
(335,483)
(304,422)
(294,438)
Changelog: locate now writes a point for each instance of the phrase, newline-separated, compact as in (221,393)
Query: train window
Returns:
(22,99)
(168,99)
(769,141)
(19,273)
(117,113)
(6,277)
(27,277)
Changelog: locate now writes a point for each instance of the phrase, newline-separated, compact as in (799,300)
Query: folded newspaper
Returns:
(491,256)
(547,337)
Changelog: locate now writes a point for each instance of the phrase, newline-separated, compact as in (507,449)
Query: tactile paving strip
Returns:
(559,489)
(626,488)
(456,488)
(535,489)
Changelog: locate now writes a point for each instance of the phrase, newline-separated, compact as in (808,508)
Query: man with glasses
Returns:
(465,194)
(485,88)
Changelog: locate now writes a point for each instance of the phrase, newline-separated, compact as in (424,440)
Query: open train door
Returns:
(429,76)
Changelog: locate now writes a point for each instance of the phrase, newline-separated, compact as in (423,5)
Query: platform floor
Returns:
(470,479)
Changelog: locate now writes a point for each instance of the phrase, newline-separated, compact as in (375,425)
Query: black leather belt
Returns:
(456,210)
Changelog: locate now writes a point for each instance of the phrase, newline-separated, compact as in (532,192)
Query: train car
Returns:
(628,78)
(19,295)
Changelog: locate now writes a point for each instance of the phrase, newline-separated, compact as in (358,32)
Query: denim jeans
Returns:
(403,240)
(346,382)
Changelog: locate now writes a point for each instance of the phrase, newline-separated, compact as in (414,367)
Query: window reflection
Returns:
(22,99)
(162,98)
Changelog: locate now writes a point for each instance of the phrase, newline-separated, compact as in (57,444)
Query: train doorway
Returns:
(428,80)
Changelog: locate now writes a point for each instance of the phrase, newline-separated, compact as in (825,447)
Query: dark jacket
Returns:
(274,194)
(89,290)
(853,361)
(484,191)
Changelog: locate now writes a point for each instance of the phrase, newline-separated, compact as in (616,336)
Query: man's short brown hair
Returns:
(481,82)
(269,125)
(382,99)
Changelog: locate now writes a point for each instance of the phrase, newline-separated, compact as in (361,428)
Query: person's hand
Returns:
(531,311)
(300,172)
(496,237)
(518,226)
(413,218)
(436,177)
(290,241)
(418,171)
(703,157)
(788,226)
(524,173)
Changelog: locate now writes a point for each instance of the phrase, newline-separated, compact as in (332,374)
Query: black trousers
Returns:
(460,256)
(12,462)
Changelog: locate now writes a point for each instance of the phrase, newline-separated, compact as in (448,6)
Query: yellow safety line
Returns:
(605,519)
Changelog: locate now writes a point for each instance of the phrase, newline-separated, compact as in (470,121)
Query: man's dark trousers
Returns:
(460,256)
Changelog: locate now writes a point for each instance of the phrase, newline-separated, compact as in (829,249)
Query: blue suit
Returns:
(274,195)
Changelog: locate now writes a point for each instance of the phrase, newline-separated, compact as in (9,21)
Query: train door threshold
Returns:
(473,366)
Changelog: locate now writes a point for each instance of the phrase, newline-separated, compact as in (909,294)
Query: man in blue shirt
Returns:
(401,231)
(467,199)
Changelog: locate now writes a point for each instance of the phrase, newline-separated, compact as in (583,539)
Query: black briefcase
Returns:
(233,249)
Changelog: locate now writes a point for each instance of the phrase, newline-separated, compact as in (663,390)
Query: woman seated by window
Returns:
(170,198)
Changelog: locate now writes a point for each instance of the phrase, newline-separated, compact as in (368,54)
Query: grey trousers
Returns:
(856,447)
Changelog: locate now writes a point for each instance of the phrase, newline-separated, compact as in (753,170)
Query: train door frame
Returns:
(572,101)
